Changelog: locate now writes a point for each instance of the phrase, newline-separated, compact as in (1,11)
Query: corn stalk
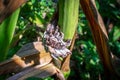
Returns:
(68,19)
(7,28)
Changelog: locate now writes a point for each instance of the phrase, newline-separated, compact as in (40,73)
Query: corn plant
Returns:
(67,21)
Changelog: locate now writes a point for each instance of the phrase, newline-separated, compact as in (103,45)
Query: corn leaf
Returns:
(7,28)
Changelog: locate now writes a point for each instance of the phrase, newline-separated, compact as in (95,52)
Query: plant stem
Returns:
(68,19)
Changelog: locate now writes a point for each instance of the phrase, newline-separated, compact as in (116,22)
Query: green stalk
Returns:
(68,17)
(7,28)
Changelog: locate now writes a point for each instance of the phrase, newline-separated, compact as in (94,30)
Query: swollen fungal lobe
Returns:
(54,41)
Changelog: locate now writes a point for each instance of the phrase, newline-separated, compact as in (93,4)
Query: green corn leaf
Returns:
(7,28)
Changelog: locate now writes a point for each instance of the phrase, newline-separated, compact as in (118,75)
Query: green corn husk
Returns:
(7,28)
(68,17)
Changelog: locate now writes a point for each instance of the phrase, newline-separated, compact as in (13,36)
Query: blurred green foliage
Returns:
(34,15)
(110,11)
(85,62)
